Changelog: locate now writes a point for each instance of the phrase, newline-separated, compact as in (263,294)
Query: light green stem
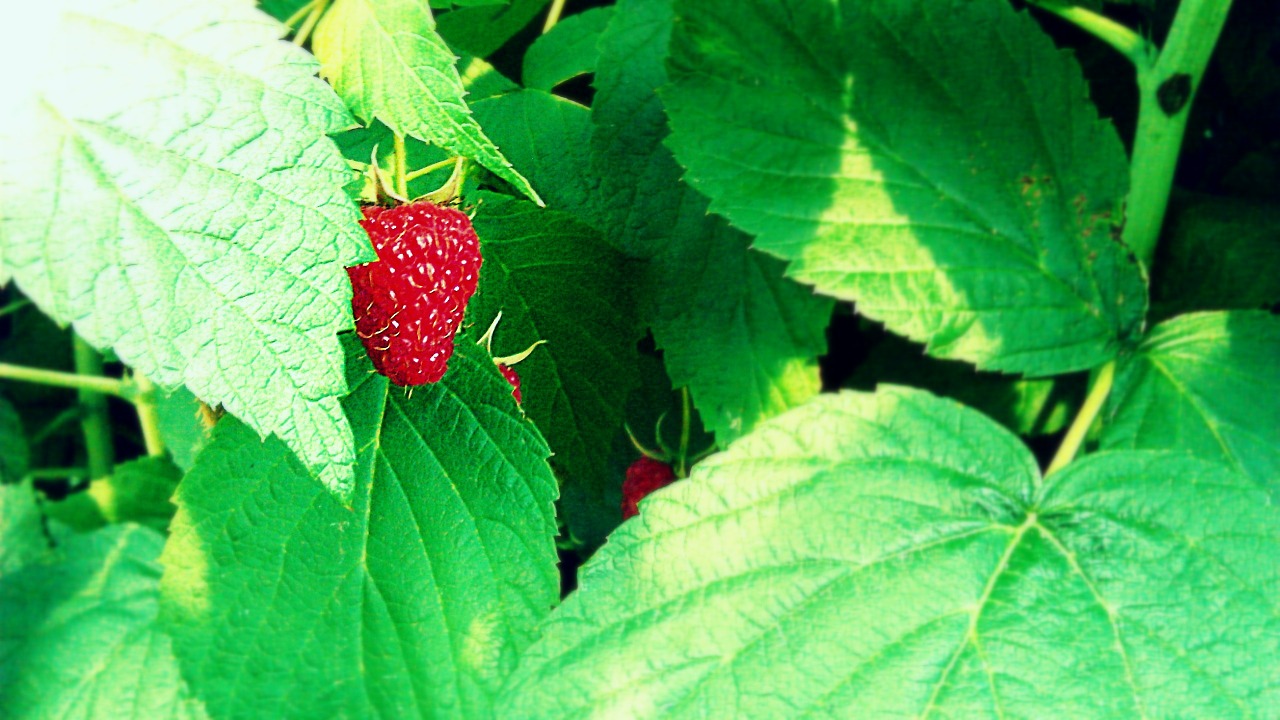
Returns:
(553,15)
(1084,419)
(685,422)
(401,162)
(148,415)
(105,385)
(1158,141)
(1124,40)
(93,418)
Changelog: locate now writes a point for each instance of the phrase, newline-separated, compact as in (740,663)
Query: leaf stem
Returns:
(1084,419)
(14,306)
(313,17)
(93,419)
(401,162)
(685,420)
(1121,38)
(553,15)
(104,385)
(429,169)
(1166,89)
(148,415)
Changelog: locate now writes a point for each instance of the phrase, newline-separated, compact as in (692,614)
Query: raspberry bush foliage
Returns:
(876,358)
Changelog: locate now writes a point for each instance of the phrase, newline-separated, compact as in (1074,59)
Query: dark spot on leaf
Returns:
(1174,93)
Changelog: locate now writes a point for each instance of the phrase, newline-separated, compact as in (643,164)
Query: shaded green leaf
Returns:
(181,426)
(548,139)
(413,600)
(898,555)
(78,634)
(1027,407)
(709,299)
(135,492)
(14,452)
(387,62)
(567,50)
(1205,384)
(196,222)
(482,30)
(22,538)
(1219,254)
(982,216)
(556,280)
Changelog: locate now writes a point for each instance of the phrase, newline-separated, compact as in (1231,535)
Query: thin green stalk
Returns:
(148,415)
(402,163)
(94,421)
(104,385)
(1167,88)
(553,15)
(14,306)
(1121,38)
(685,421)
(1093,403)
(63,473)
(313,17)
(430,169)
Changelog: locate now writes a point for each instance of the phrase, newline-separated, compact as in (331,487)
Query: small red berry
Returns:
(510,374)
(644,476)
(409,302)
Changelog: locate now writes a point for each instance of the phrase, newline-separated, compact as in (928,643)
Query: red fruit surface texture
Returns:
(409,302)
(511,376)
(643,477)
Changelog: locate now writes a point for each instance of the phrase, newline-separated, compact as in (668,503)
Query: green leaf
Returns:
(556,280)
(194,219)
(708,298)
(14,452)
(387,62)
(22,538)
(897,555)
(181,426)
(137,492)
(412,600)
(78,634)
(548,139)
(1219,254)
(1205,384)
(482,30)
(1027,407)
(980,216)
(566,51)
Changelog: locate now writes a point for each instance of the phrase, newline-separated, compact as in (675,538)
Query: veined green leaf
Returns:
(898,555)
(556,280)
(78,634)
(168,189)
(936,161)
(1205,384)
(549,140)
(741,337)
(411,601)
(387,62)
(566,51)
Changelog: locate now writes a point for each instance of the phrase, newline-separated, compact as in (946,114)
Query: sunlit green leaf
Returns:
(898,555)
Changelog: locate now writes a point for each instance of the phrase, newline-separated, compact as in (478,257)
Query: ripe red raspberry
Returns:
(409,302)
(510,374)
(643,477)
